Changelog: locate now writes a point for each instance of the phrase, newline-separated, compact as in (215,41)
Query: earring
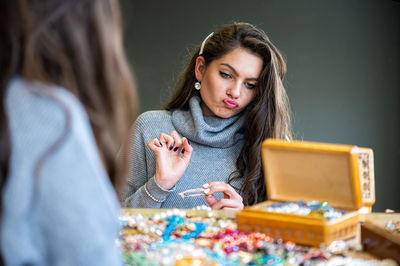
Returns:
(197,85)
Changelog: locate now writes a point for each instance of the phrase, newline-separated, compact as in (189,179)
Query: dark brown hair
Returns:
(75,44)
(268,113)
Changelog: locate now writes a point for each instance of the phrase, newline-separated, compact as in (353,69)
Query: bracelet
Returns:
(151,196)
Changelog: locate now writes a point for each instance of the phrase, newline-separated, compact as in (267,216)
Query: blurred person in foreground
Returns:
(66,98)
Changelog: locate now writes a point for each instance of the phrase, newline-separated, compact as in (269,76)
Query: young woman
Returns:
(65,103)
(230,98)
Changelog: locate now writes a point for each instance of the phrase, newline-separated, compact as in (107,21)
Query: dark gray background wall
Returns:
(343,61)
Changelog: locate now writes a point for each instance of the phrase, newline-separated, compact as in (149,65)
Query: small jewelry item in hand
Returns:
(195,192)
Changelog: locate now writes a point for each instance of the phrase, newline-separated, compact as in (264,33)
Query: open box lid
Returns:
(308,171)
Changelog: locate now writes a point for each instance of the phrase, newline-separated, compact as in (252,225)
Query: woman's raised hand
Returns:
(172,158)
(231,201)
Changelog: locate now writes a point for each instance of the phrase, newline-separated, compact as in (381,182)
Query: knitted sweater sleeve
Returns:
(142,190)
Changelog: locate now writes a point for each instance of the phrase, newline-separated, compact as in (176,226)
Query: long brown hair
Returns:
(269,112)
(75,44)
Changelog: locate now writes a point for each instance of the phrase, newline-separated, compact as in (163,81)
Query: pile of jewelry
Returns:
(311,208)
(174,238)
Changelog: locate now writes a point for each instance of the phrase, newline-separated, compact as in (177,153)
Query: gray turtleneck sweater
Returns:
(216,145)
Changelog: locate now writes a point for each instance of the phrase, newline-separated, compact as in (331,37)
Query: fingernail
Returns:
(160,144)
(176,148)
(206,185)
(206,190)
(170,147)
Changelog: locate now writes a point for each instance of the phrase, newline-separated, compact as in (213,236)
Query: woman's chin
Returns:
(225,114)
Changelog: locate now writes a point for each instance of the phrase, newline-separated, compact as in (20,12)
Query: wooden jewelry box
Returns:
(341,175)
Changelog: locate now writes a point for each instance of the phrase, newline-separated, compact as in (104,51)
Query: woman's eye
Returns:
(224,75)
(250,85)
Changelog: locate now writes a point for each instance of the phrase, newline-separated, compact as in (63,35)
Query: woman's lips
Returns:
(231,104)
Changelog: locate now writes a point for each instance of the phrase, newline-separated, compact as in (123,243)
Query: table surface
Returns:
(377,218)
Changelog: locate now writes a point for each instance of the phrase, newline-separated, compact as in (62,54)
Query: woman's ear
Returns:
(199,68)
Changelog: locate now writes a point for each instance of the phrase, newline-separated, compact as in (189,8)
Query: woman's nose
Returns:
(234,90)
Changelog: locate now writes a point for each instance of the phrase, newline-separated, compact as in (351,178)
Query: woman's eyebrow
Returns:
(235,72)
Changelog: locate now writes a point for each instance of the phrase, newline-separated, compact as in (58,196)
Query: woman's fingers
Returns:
(232,200)
(228,190)
(154,145)
(227,204)
(173,141)
(186,150)
(177,140)
(211,200)
(167,140)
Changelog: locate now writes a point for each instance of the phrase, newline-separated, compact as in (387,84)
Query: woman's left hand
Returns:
(231,201)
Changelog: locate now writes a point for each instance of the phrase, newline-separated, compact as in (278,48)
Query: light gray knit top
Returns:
(216,145)
(66,214)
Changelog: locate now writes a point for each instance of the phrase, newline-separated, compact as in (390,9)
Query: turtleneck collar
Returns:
(208,130)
